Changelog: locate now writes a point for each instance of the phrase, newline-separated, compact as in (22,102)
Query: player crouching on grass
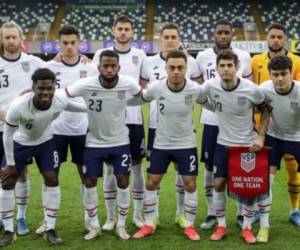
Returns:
(30,116)
(175,140)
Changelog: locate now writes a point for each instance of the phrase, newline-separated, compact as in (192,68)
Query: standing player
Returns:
(207,62)
(106,97)
(153,69)
(174,141)
(276,38)
(30,116)
(283,134)
(69,130)
(235,128)
(16,69)
(130,63)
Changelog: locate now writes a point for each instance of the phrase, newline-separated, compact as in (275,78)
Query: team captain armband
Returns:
(263,106)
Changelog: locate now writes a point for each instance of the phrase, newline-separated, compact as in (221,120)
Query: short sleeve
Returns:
(193,68)
(13,115)
(148,94)
(144,72)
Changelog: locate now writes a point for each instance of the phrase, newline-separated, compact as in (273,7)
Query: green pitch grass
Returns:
(283,235)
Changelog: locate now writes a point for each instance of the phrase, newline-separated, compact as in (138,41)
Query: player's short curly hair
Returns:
(280,63)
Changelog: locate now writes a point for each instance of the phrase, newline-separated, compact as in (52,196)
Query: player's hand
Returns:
(2,116)
(58,57)
(85,59)
(7,171)
(258,144)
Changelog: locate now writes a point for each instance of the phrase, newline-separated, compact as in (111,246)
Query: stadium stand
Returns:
(28,13)
(95,24)
(284,12)
(196,19)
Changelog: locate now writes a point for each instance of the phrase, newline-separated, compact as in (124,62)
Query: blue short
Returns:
(185,159)
(281,147)
(45,154)
(118,156)
(220,164)
(76,144)
(137,141)
(151,137)
(209,142)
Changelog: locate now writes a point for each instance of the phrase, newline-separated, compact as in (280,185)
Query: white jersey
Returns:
(130,62)
(175,128)
(106,109)
(285,118)
(69,123)
(34,124)
(15,77)
(207,62)
(153,69)
(234,110)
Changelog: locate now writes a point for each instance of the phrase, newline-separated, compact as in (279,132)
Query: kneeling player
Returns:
(31,115)
(174,141)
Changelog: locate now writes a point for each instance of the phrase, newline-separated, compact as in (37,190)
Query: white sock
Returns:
(191,205)
(82,190)
(91,206)
(22,195)
(219,201)
(157,202)
(150,206)
(7,205)
(123,199)
(248,213)
(209,186)
(138,189)
(44,191)
(52,202)
(110,191)
(179,194)
(240,210)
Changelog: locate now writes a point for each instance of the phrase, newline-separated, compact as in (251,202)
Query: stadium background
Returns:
(41,20)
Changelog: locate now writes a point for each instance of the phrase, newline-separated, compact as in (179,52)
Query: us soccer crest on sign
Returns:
(248,161)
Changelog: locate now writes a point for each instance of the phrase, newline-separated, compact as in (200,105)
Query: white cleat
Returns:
(138,222)
(41,229)
(121,232)
(92,234)
(109,225)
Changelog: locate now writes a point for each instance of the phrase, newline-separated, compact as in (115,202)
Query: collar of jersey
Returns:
(11,60)
(287,93)
(286,54)
(176,91)
(235,87)
(71,64)
(105,86)
(161,56)
(121,52)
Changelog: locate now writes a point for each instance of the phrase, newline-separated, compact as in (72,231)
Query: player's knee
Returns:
(136,162)
(152,184)
(9,183)
(51,179)
(90,182)
(23,176)
(122,181)
(219,184)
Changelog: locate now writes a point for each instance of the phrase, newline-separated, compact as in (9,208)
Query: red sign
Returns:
(248,173)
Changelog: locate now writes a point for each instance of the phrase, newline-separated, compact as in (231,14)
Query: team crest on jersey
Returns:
(25,67)
(216,96)
(188,99)
(248,161)
(294,105)
(82,73)
(161,98)
(135,60)
(241,101)
(121,94)
(155,67)
(1,71)
(94,94)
